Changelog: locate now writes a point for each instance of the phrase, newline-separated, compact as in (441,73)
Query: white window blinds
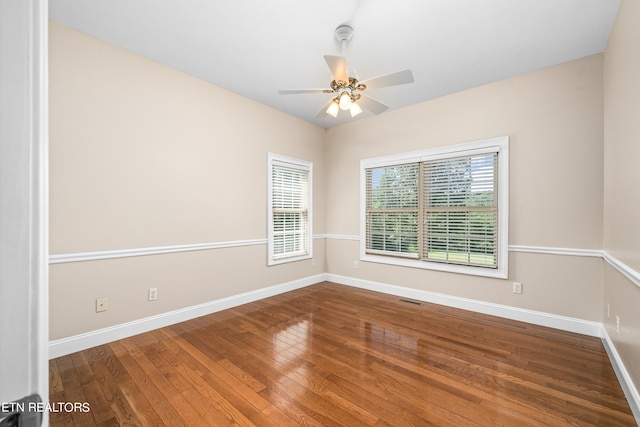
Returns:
(392,210)
(461,210)
(289,204)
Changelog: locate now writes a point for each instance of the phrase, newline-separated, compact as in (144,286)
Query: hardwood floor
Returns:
(330,355)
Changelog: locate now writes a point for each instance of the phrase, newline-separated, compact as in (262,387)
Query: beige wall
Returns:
(141,156)
(622,182)
(553,118)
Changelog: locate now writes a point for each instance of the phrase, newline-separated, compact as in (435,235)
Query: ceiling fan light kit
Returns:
(345,84)
(333,109)
(344,99)
(355,109)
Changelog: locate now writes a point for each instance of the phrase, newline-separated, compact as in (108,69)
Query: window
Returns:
(393,210)
(461,210)
(443,209)
(289,209)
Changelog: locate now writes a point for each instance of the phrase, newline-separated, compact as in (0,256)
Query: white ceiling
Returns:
(256,47)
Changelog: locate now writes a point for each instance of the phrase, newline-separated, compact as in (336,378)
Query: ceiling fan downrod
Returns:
(343,34)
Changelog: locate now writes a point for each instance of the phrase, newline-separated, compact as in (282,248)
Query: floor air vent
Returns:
(408,301)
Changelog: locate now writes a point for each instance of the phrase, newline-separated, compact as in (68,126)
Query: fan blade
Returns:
(393,79)
(338,66)
(299,91)
(376,107)
(323,113)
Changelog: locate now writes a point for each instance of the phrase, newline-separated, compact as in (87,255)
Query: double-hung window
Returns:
(443,209)
(289,209)
(393,210)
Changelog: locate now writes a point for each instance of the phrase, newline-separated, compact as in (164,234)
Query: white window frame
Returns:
(277,160)
(499,145)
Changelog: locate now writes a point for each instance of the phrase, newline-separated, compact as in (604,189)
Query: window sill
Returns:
(496,273)
(285,260)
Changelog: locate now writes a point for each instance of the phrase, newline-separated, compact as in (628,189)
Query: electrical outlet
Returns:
(153,294)
(101,304)
(517,288)
(618,324)
(355,264)
(608,311)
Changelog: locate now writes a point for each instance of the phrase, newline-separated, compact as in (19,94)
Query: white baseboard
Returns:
(87,340)
(629,388)
(90,339)
(570,324)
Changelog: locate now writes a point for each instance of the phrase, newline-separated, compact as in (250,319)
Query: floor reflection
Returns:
(387,338)
(292,341)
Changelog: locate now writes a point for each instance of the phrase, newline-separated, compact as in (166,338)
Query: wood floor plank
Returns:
(218,375)
(167,363)
(107,372)
(331,355)
(60,371)
(143,379)
(74,392)
(100,413)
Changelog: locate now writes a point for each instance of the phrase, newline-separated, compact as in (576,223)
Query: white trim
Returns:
(625,380)
(24,182)
(40,109)
(436,266)
(555,321)
(342,237)
(434,153)
(279,160)
(156,250)
(597,253)
(624,269)
(90,339)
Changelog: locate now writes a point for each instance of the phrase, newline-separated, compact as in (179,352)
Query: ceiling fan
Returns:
(346,86)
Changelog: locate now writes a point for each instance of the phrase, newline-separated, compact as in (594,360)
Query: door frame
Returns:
(24,191)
